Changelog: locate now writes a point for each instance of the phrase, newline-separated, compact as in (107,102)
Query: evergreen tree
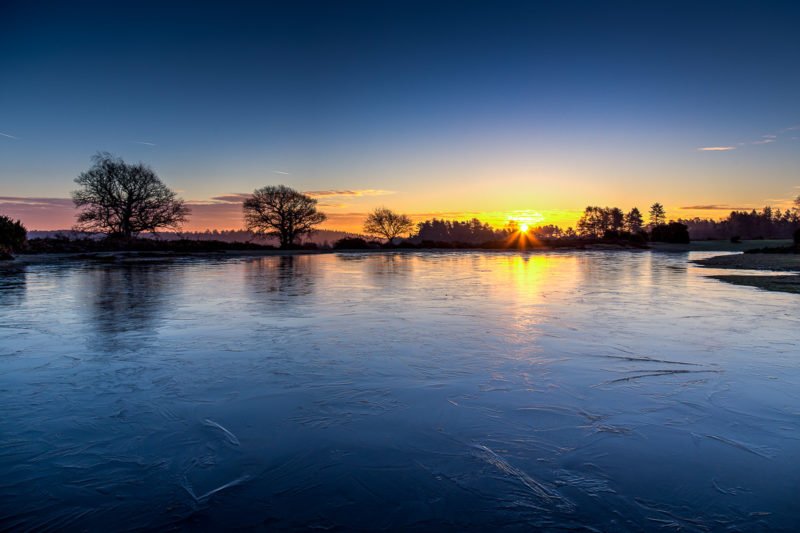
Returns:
(634,221)
(657,215)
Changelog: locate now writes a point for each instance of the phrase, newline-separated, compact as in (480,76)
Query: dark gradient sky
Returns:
(456,107)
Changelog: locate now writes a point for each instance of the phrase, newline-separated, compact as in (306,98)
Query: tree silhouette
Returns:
(617,219)
(633,221)
(468,232)
(386,223)
(674,232)
(282,212)
(123,200)
(594,222)
(12,237)
(769,224)
(657,214)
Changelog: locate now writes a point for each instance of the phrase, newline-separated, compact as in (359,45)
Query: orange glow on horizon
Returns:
(521,221)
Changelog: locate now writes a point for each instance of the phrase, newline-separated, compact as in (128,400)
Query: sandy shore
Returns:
(771,262)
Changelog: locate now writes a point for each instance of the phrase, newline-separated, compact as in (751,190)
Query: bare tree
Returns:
(388,224)
(282,212)
(123,200)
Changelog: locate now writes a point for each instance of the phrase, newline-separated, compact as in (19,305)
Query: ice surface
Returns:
(601,390)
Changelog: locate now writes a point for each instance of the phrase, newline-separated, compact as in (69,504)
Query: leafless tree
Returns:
(282,212)
(123,200)
(386,223)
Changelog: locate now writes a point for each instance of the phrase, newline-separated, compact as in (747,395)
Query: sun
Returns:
(524,221)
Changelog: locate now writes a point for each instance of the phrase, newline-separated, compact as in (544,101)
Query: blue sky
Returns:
(434,107)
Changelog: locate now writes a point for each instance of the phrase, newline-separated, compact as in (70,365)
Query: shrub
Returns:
(351,243)
(12,236)
(674,232)
(796,236)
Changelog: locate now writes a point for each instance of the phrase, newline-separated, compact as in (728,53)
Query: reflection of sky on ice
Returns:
(435,390)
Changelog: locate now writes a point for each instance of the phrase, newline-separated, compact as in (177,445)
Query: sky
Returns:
(448,109)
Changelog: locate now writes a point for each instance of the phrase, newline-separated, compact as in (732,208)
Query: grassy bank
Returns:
(767,262)
(718,246)
(771,262)
(783,283)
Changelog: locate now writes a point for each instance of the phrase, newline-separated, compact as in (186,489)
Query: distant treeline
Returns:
(767,223)
(470,232)
(323,238)
(597,222)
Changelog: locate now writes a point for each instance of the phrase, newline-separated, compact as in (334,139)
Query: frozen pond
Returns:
(430,391)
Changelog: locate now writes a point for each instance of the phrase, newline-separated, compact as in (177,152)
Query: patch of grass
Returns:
(769,283)
(719,246)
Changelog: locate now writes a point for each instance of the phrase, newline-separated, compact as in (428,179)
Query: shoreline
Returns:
(786,269)
(218,249)
(128,256)
(132,256)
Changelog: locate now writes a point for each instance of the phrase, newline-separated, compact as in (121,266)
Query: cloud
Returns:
(769,136)
(790,128)
(235,198)
(39,213)
(709,207)
(765,141)
(7,135)
(357,192)
(715,148)
(35,203)
(280,172)
(144,143)
(239,197)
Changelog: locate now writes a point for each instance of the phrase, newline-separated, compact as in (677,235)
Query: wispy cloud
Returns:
(235,198)
(239,197)
(711,207)
(144,143)
(715,148)
(7,135)
(38,203)
(765,139)
(356,192)
(39,213)
(281,172)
